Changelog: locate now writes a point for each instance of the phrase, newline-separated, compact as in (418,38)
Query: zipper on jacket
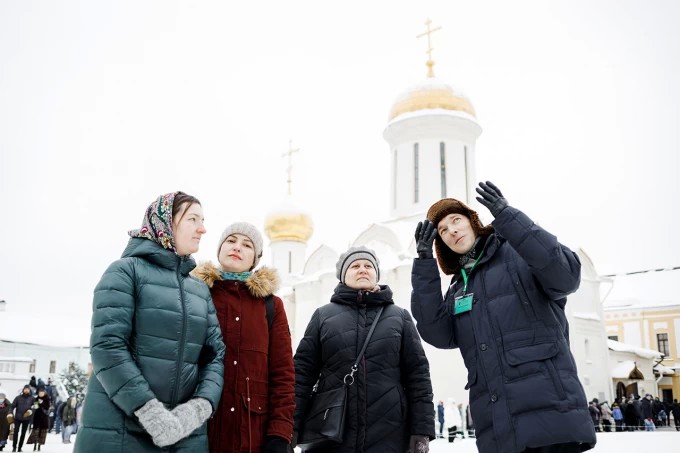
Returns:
(250,437)
(182,339)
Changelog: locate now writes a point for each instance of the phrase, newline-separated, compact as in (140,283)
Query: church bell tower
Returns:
(432,131)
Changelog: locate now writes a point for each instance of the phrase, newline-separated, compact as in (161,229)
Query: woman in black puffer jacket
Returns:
(389,407)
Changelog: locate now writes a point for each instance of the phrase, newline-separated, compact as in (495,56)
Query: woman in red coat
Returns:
(255,413)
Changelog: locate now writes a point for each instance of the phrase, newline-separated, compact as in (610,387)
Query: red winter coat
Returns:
(258,397)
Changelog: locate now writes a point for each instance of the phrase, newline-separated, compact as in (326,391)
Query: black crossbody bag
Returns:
(324,423)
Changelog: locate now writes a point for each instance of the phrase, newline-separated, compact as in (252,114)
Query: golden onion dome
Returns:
(428,95)
(288,224)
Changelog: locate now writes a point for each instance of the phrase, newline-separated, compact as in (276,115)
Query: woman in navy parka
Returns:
(504,309)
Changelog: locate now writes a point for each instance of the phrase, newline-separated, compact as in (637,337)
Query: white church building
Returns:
(431,133)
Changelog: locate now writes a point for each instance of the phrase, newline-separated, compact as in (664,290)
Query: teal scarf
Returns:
(240,276)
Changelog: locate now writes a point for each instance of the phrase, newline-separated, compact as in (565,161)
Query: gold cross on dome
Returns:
(289,170)
(428,33)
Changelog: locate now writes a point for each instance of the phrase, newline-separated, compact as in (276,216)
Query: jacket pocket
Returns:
(524,350)
(254,421)
(257,404)
(533,356)
(530,353)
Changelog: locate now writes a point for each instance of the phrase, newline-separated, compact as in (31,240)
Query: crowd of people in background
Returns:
(36,411)
(634,414)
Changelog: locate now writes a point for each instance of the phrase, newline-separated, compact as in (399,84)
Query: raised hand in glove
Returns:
(491,197)
(419,444)
(275,444)
(193,414)
(165,428)
(425,234)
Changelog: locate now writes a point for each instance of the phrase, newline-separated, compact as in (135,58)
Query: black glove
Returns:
(275,444)
(492,198)
(419,444)
(425,234)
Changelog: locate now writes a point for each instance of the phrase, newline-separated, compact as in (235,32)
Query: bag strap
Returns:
(269,304)
(349,378)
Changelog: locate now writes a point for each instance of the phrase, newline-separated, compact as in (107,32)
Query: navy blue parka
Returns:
(524,388)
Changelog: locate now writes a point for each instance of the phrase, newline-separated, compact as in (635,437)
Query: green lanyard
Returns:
(465,277)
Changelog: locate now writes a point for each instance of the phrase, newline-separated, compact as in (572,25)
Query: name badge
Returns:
(463,304)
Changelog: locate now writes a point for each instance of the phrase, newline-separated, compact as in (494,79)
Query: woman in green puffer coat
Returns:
(156,346)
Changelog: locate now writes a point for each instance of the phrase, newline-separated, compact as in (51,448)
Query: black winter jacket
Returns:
(647,410)
(676,411)
(391,398)
(21,404)
(41,414)
(524,388)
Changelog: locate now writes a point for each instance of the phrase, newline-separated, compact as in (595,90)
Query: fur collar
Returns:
(262,283)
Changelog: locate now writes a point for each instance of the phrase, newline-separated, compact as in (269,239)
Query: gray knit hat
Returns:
(245,229)
(353,254)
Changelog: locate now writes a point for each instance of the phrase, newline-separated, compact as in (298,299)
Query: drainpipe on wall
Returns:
(656,383)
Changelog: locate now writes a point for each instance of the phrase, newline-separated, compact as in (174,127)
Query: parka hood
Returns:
(263,282)
(345,295)
(155,254)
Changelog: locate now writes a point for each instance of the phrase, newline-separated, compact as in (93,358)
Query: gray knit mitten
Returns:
(165,428)
(193,414)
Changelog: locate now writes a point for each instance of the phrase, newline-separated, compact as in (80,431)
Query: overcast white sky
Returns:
(105,105)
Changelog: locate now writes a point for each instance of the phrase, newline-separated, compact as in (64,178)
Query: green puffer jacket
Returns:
(154,335)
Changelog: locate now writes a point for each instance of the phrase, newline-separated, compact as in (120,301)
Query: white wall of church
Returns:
(309,295)
(458,135)
(429,174)
(288,256)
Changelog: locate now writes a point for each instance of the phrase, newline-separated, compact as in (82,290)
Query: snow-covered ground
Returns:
(635,442)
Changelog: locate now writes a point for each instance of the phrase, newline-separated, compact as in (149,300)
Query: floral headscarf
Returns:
(157,223)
